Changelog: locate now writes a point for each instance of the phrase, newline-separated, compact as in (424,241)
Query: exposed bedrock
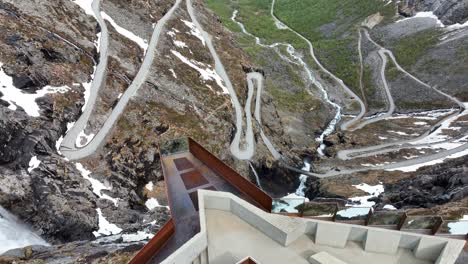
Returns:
(449,11)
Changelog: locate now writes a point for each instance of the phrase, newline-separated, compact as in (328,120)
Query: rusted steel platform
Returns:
(184,174)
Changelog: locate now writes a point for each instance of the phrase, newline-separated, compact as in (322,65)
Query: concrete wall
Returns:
(286,230)
(382,241)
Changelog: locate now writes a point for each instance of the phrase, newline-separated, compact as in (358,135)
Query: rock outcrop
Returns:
(448,11)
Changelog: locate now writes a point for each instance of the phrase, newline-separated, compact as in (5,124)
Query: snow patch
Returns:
(180,44)
(353,212)
(33,163)
(139,236)
(389,207)
(143,43)
(149,186)
(428,14)
(105,227)
(194,31)
(96,185)
(458,228)
(420,123)
(173,73)
(372,190)
(86,5)
(152,203)
(206,74)
(16,97)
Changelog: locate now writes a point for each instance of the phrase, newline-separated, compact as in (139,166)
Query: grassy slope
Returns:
(255,14)
(411,48)
(337,47)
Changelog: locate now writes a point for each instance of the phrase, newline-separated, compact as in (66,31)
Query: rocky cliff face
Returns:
(435,185)
(449,11)
(35,54)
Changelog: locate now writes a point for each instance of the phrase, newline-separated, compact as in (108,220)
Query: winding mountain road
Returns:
(350,125)
(346,125)
(68,147)
(247,150)
(254,81)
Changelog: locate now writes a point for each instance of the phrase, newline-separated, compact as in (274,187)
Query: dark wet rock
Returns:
(434,185)
(449,11)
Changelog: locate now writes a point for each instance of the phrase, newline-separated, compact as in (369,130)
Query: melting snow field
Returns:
(143,43)
(362,201)
(205,74)
(86,5)
(139,236)
(194,31)
(152,203)
(17,98)
(96,185)
(428,14)
(33,163)
(432,162)
(105,228)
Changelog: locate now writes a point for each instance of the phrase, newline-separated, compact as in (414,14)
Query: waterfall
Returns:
(256,175)
(300,191)
(14,234)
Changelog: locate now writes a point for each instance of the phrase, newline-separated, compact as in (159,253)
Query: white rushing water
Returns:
(298,60)
(14,234)
(300,191)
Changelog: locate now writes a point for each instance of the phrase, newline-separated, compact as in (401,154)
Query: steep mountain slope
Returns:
(353,92)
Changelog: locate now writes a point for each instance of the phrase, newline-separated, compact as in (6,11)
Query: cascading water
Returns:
(297,59)
(303,178)
(14,234)
(256,175)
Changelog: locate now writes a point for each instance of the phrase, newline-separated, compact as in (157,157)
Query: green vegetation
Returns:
(385,218)
(319,209)
(391,71)
(409,49)
(420,222)
(340,57)
(331,26)
(174,146)
(255,15)
(370,89)
(299,102)
(309,16)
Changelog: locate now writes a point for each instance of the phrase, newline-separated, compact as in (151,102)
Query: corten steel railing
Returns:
(243,185)
(162,236)
(155,244)
(230,175)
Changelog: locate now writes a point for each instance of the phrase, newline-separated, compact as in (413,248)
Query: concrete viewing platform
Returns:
(218,216)
(233,230)
(187,170)
(184,175)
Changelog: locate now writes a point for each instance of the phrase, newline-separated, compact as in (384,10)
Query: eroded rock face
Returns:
(434,185)
(449,11)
